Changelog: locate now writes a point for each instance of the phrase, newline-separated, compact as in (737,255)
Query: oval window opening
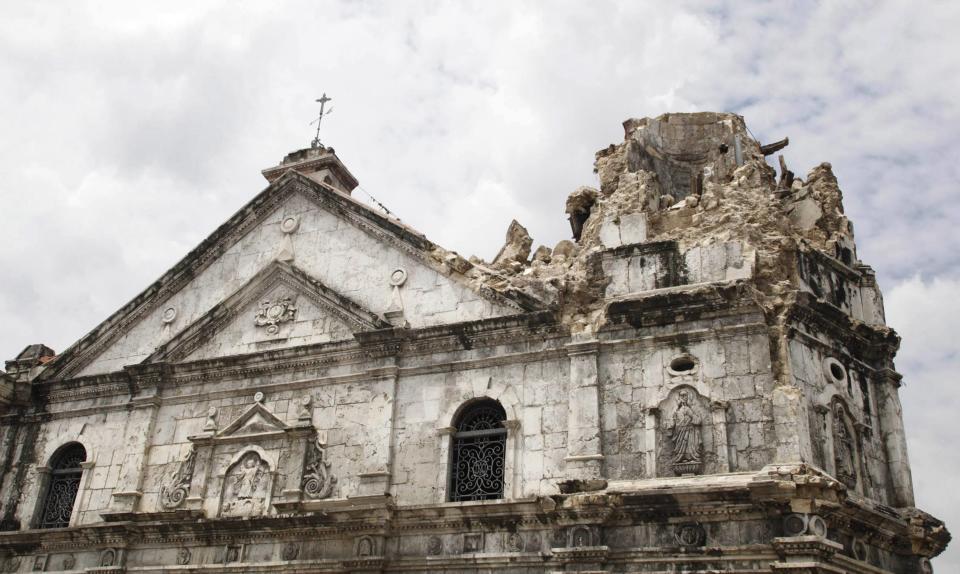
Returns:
(682,364)
(837,371)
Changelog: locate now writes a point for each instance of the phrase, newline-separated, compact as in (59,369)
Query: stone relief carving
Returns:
(290,551)
(232,554)
(318,482)
(246,487)
(580,537)
(272,314)
(211,422)
(108,558)
(686,437)
(183,556)
(173,494)
(513,542)
(365,547)
(13,564)
(303,408)
(691,534)
(473,542)
(68,562)
(434,546)
(844,448)
(804,524)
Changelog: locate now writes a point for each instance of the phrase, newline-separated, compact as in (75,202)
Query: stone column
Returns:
(584,454)
(146,381)
(718,412)
(511,475)
(890,416)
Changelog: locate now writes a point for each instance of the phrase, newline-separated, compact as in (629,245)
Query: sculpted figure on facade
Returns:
(687,439)
(843,448)
(318,482)
(175,492)
(246,487)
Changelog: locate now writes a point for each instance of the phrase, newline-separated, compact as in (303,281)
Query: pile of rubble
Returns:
(697,179)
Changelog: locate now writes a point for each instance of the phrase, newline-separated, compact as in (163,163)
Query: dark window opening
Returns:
(478,453)
(682,364)
(65,473)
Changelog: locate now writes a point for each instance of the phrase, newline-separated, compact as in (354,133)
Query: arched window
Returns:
(65,472)
(479,446)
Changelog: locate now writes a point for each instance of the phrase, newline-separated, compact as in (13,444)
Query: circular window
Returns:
(834,370)
(683,365)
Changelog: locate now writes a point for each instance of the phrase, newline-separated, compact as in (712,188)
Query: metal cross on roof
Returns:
(323,101)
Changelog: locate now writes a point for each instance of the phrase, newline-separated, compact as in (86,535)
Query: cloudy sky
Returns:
(128,135)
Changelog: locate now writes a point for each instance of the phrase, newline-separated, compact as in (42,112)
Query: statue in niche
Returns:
(687,440)
(246,487)
(843,449)
(318,482)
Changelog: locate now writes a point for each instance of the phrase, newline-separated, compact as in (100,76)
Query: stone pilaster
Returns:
(894,437)
(146,382)
(378,447)
(584,455)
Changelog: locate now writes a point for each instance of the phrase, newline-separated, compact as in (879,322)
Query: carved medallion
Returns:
(318,482)
(272,314)
(289,224)
(173,494)
(513,542)
(183,556)
(290,551)
(434,546)
(169,314)
(691,534)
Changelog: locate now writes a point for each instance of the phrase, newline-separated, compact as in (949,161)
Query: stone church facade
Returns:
(701,381)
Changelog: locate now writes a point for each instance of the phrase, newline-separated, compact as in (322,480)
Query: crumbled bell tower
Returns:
(700,380)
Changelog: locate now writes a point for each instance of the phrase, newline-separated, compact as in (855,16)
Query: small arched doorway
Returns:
(478,452)
(65,474)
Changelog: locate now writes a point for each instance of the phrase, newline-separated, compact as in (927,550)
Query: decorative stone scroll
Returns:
(173,494)
(318,482)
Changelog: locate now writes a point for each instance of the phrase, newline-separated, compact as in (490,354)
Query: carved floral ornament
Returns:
(272,314)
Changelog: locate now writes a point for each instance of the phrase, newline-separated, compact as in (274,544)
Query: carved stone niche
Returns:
(686,441)
(236,471)
(846,446)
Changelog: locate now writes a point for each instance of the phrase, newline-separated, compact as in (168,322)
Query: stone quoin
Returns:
(701,380)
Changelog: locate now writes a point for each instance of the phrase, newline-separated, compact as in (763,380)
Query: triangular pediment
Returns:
(256,420)
(324,234)
(282,306)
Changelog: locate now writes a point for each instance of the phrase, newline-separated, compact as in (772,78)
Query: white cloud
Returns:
(926,314)
(129,135)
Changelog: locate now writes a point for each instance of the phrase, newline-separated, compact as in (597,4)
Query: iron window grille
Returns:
(478,453)
(64,483)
